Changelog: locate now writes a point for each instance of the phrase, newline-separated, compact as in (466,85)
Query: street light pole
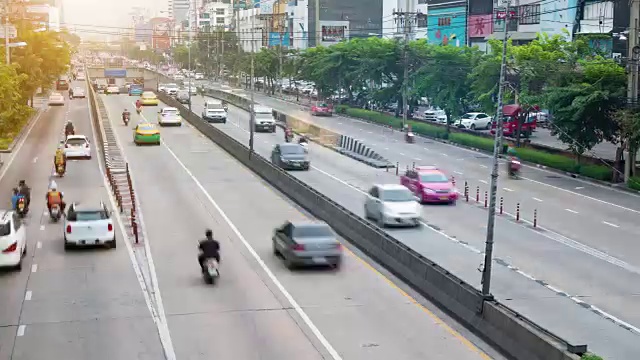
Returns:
(252,114)
(497,147)
(189,50)
(7,54)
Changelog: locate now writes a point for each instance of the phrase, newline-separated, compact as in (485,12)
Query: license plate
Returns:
(319,260)
(444,197)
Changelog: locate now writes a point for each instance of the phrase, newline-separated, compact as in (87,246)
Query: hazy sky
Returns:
(98,15)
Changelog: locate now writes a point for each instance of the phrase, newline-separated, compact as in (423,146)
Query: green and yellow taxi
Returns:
(149,98)
(146,133)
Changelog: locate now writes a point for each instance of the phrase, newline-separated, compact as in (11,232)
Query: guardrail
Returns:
(116,168)
(501,326)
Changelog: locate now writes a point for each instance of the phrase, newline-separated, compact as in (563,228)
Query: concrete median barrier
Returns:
(504,328)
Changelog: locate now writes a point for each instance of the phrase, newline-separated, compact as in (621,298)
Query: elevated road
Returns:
(78,305)
(555,281)
(259,309)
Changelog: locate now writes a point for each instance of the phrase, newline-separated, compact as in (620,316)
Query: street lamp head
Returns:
(18,44)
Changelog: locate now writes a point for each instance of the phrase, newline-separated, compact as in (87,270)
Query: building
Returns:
(393,28)
(179,10)
(219,13)
(44,13)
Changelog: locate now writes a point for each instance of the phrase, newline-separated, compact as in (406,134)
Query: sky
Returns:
(104,16)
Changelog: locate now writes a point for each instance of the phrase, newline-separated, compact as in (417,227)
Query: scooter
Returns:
(21,207)
(55,212)
(514,168)
(125,119)
(60,170)
(211,272)
(68,132)
(139,110)
(409,138)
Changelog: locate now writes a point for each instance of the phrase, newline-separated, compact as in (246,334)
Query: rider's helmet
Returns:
(208,233)
(53,186)
(22,183)
(125,110)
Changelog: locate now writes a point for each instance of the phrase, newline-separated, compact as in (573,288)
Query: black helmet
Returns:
(22,182)
(208,233)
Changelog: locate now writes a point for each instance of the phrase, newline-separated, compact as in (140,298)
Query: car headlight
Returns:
(456,190)
(428,191)
(284,160)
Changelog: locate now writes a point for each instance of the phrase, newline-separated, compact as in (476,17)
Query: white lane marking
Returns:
(27,295)
(584,196)
(386,148)
(536,199)
(339,123)
(42,226)
(484,181)
(39,245)
(34,268)
(159,317)
(334,354)
(610,224)
(21,330)
(16,149)
(458,172)
(571,211)
(401,154)
(526,275)
(507,189)
(484,166)
(35,159)
(426,149)
(417,159)
(579,187)
(460,159)
(443,154)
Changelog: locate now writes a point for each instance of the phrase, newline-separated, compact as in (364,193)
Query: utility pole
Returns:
(632,86)
(7,54)
(282,21)
(222,56)
(190,43)
(406,17)
(318,30)
(497,148)
(252,114)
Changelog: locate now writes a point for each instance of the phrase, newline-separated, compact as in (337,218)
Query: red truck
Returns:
(513,114)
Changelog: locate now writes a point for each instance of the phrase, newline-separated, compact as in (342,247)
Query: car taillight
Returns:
(68,229)
(11,248)
(298,247)
(66,146)
(86,145)
(110,227)
(338,246)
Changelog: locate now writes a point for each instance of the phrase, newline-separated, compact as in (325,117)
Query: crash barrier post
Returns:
(453,180)
(485,199)
(397,166)
(501,204)
(477,193)
(535,218)
(119,199)
(511,332)
(128,175)
(134,224)
(133,198)
(466,191)
(109,177)
(518,212)
(413,166)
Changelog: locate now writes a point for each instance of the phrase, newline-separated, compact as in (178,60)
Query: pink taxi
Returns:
(430,185)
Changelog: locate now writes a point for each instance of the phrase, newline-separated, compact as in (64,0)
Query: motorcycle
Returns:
(21,206)
(55,212)
(60,170)
(211,272)
(305,145)
(288,136)
(514,168)
(125,119)
(68,132)
(409,138)
(139,109)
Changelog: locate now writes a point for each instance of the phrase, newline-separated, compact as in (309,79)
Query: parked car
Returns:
(307,244)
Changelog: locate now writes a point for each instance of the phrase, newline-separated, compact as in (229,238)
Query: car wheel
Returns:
(453,202)
(288,263)
(472,127)
(19,266)
(67,245)
(113,243)
(275,250)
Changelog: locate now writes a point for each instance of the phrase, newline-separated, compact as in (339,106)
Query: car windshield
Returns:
(88,215)
(170,112)
(310,231)
(5,229)
(148,95)
(400,195)
(292,150)
(467,116)
(322,105)
(76,142)
(78,89)
(264,116)
(146,127)
(433,178)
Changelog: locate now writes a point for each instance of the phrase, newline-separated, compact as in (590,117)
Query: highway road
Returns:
(259,309)
(548,277)
(75,305)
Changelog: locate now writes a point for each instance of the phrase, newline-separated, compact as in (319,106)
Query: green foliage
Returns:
(634,183)
(590,356)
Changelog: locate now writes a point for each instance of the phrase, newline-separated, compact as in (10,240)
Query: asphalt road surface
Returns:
(74,305)
(577,276)
(259,309)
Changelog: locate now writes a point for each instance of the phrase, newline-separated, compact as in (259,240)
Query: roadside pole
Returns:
(252,113)
(632,71)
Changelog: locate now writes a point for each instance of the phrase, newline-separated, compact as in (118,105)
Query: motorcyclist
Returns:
(125,114)
(288,134)
(68,128)
(70,93)
(138,104)
(14,198)
(512,156)
(209,248)
(303,140)
(60,159)
(54,197)
(25,191)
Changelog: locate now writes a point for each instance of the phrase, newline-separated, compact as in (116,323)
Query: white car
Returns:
(13,240)
(178,77)
(113,89)
(81,77)
(475,121)
(86,225)
(77,146)
(171,89)
(78,92)
(169,116)
(392,204)
(199,76)
(56,99)
(437,115)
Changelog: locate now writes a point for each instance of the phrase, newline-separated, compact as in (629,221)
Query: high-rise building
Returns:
(179,10)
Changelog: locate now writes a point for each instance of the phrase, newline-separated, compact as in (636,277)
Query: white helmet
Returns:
(53,185)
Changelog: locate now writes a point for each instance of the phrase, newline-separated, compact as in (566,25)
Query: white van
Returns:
(264,119)
(214,111)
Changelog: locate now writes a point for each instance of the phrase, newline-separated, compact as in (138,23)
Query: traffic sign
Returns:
(13,32)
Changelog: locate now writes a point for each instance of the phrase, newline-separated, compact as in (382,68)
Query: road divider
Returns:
(357,150)
(506,329)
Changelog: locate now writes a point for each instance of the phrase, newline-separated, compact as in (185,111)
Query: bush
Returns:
(589,356)
(599,172)
(551,160)
(477,142)
(340,109)
(634,183)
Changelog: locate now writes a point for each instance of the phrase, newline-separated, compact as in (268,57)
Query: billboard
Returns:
(274,39)
(115,73)
(142,32)
(161,33)
(334,31)
(447,26)
(480,25)
(266,7)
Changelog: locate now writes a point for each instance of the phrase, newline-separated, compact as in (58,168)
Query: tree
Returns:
(583,110)
(628,122)
(13,111)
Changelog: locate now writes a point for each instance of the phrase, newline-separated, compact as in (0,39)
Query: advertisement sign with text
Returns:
(480,25)
(161,38)
(266,7)
(447,26)
(274,39)
(334,31)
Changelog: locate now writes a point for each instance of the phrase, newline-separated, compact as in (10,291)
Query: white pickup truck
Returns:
(264,119)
